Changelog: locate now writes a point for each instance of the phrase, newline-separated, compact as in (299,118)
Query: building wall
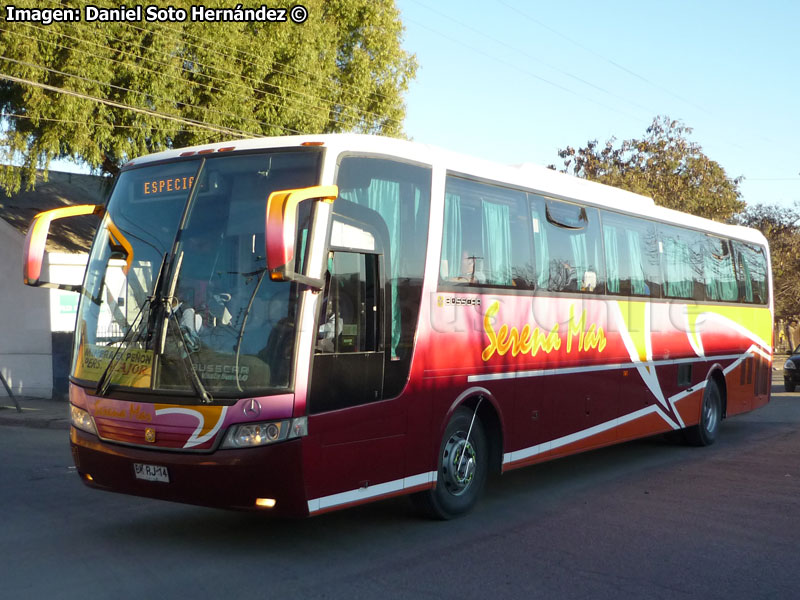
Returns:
(64,268)
(25,338)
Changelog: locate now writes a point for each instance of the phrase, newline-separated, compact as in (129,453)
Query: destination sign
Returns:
(167,185)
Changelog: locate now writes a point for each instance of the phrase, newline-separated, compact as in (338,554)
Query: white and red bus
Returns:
(302,324)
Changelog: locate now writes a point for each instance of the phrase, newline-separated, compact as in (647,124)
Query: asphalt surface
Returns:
(646,519)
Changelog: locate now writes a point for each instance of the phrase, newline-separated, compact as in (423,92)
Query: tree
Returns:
(664,165)
(781,227)
(131,88)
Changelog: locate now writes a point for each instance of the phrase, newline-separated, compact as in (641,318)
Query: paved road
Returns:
(649,519)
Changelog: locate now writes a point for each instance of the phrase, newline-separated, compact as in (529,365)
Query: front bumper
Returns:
(222,479)
(791,376)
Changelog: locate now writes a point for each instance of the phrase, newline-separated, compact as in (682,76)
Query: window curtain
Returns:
(720,278)
(748,282)
(579,252)
(638,285)
(711,269)
(679,282)
(612,259)
(541,253)
(450,265)
(728,288)
(758,271)
(497,242)
(384,197)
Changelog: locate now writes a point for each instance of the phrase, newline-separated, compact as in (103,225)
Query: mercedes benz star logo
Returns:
(252,409)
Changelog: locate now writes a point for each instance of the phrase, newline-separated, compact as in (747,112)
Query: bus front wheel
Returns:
(462,468)
(705,432)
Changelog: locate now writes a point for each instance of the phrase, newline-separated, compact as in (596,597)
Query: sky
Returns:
(514,81)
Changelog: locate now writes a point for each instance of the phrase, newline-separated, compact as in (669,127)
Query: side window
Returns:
(682,262)
(719,270)
(567,249)
(349,319)
(486,238)
(632,257)
(751,272)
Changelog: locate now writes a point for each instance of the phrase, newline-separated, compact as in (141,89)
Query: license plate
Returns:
(151,472)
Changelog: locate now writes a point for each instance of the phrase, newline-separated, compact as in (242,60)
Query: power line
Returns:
(516,68)
(209,43)
(532,57)
(142,67)
(771,178)
(77,122)
(631,73)
(333,83)
(145,111)
(597,54)
(331,103)
(122,88)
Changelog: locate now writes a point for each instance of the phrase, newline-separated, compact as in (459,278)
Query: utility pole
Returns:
(10,393)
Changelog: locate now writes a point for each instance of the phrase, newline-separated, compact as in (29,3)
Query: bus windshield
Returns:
(176,297)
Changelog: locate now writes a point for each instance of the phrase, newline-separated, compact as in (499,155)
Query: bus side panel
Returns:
(576,402)
(350,450)
(739,383)
(563,385)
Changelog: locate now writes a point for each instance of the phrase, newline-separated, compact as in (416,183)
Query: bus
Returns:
(296,325)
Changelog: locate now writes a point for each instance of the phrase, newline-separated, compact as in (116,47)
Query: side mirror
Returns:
(36,242)
(297,253)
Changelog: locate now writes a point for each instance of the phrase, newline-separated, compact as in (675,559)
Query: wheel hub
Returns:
(458,463)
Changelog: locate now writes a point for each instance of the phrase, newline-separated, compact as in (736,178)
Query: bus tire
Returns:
(457,492)
(789,387)
(705,432)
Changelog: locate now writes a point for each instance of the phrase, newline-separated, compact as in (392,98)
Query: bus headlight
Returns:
(789,364)
(248,435)
(81,419)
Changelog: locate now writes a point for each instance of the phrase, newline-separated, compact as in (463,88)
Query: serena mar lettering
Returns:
(531,341)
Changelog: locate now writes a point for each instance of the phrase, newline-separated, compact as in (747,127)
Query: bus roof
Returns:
(528,176)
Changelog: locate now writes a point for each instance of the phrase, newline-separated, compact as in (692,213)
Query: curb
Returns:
(37,413)
(22,420)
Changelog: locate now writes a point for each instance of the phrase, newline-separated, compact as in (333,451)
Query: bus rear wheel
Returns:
(462,468)
(705,432)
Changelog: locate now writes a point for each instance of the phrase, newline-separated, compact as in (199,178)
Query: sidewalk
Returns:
(42,413)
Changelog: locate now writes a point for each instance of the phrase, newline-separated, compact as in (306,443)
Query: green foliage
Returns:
(781,227)
(342,70)
(664,165)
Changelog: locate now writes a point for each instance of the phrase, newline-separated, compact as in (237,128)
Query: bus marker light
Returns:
(227,149)
(313,144)
(265,502)
(190,153)
(88,477)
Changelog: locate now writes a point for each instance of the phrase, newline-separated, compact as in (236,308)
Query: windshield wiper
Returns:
(188,365)
(104,382)
(239,338)
(105,379)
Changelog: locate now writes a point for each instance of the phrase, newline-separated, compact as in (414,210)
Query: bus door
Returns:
(355,436)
